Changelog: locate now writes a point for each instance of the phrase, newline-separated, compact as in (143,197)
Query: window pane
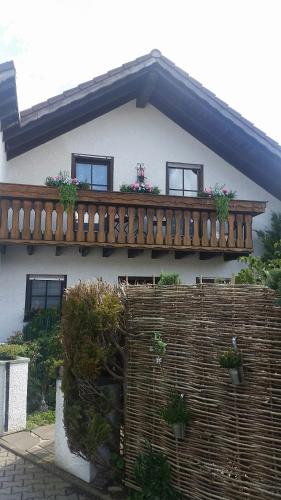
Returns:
(99,174)
(83,172)
(38,287)
(190,179)
(54,288)
(96,187)
(176,193)
(175,178)
(37,303)
(53,303)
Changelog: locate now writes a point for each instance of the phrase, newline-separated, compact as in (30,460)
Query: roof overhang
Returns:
(156,80)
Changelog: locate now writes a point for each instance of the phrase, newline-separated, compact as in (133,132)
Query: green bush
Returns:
(10,352)
(152,473)
(230,359)
(169,279)
(41,324)
(176,412)
(91,324)
(39,418)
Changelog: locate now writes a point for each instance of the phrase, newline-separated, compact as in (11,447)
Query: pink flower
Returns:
(208,190)
(225,190)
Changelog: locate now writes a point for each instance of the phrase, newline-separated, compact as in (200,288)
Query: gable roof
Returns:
(155,79)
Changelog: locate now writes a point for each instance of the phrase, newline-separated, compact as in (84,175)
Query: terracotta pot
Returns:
(179,430)
(236,375)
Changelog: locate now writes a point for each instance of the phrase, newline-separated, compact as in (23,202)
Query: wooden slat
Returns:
(249,232)
(121,232)
(168,237)
(186,238)
(4,206)
(213,220)
(59,224)
(70,224)
(111,221)
(150,234)
(48,233)
(178,219)
(159,227)
(240,238)
(101,231)
(196,237)
(204,222)
(26,220)
(37,231)
(91,232)
(140,234)
(231,236)
(131,224)
(81,210)
(222,238)
(15,232)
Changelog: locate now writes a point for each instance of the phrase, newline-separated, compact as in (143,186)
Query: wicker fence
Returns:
(232,449)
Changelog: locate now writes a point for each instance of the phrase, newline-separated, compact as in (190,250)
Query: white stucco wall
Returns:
(130,135)
(17,395)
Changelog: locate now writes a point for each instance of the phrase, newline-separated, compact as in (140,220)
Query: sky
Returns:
(231,46)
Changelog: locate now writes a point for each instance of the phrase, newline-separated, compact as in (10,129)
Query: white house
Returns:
(147,111)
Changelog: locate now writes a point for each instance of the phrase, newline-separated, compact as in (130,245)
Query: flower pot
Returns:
(179,430)
(236,375)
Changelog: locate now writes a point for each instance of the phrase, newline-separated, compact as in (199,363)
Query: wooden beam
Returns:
(233,256)
(208,255)
(156,254)
(147,90)
(132,253)
(107,252)
(3,249)
(84,251)
(58,251)
(30,249)
(180,254)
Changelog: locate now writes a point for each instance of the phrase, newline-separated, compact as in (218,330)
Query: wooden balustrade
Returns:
(33,215)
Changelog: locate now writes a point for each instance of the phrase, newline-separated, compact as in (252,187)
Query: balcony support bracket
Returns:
(30,249)
(84,251)
(181,254)
(156,254)
(132,253)
(107,252)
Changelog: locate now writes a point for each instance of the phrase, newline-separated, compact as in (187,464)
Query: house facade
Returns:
(147,112)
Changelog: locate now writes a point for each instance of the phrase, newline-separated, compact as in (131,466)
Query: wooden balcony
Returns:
(33,215)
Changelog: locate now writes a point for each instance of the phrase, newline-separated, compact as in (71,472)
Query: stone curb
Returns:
(54,469)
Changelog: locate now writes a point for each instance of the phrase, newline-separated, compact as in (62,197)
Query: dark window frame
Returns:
(151,280)
(211,280)
(103,160)
(28,291)
(185,166)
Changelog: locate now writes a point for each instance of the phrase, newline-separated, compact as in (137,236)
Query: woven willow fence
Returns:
(232,449)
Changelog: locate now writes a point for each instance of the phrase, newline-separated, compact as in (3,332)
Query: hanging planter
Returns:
(140,186)
(176,414)
(158,347)
(67,188)
(221,196)
(232,360)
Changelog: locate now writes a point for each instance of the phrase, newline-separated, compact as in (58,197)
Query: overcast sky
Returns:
(231,46)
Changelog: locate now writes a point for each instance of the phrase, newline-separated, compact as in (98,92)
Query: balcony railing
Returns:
(33,215)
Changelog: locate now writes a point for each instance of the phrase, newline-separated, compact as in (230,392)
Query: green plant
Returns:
(140,186)
(39,418)
(152,473)
(169,279)
(10,352)
(67,187)
(159,346)
(176,412)
(222,196)
(274,281)
(271,238)
(230,359)
(41,323)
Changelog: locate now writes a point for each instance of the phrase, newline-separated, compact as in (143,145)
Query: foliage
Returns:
(39,418)
(271,238)
(222,196)
(230,359)
(10,352)
(169,279)
(40,342)
(152,473)
(140,186)
(274,281)
(159,346)
(176,412)
(91,333)
(67,187)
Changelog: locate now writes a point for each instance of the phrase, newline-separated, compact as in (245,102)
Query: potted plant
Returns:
(158,347)
(140,186)
(222,196)
(67,187)
(176,414)
(232,360)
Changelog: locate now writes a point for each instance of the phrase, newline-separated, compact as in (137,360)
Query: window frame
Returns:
(210,280)
(28,291)
(104,160)
(185,166)
(152,280)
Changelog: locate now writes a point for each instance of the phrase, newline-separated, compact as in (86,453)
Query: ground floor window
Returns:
(208,279)
(139,280)
(43,292)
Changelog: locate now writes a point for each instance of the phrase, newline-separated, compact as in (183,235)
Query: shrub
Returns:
(169,279)
(90,327)
(230,359)
(10,352)
(152,474)
(176,412)
(40,418)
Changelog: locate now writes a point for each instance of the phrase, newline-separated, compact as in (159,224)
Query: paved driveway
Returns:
(22,480)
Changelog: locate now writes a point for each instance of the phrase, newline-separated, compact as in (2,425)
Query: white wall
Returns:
(130,135)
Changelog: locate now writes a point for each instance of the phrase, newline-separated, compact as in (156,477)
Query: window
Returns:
(184,179)
(96,171)
(206,279)
(43,292)
(139,280)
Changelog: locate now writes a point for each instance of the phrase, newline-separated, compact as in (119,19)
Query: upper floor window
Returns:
(184,179)
(43,292)
(97,171)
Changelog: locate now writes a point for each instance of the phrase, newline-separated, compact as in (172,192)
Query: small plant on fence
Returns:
(169,279)
(232,360)
(67,187)
(152,473)
(222,196)
(176,414)
(140,186)
(158,347)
